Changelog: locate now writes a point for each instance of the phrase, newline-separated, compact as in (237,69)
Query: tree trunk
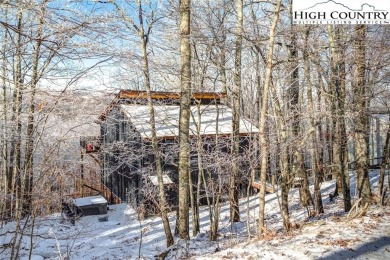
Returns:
(199,147)
(144,37)
(334,84)
(385,161)
(294,109)
(320,149)
(156,150)
(342,131)
(29,153)
(184,121)
(318,207)
(361,104)
(15,184)
(192,203)
(283,160)
(263,116)
(223,53)
(233,189)
(17,118)
(4,119)
(214,204)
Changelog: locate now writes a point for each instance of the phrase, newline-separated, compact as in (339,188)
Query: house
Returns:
(127,160)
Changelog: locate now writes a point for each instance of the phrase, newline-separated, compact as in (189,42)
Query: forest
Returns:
(318,95)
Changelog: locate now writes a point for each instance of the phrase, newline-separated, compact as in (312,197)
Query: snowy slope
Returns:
(332,238)
(124,237)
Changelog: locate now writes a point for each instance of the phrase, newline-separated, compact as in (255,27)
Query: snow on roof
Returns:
(89,201)
(166,180)
(167,120)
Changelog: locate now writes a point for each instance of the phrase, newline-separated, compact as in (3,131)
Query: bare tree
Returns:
(144,35)
(184,121)
(263,115)
(236,97)
(28,174)
(312,130)
(385,161)
(360,106)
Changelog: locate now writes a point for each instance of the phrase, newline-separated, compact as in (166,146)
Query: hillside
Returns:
(123,237)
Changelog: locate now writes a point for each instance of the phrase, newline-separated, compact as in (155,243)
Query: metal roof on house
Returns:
(136,95)
(213,120)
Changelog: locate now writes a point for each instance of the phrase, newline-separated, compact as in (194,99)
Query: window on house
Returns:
(124,131)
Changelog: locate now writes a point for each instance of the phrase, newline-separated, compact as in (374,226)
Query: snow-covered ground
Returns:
(331,236)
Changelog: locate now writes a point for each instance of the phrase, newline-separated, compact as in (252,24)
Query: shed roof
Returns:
(93,200)
(167,120)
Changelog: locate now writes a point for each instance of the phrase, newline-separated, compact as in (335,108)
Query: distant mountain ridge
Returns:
(342,5)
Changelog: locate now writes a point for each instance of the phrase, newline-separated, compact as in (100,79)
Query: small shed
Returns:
(95,205)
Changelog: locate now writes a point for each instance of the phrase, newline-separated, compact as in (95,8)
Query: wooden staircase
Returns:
(109,196)
(92,190)
(90,145)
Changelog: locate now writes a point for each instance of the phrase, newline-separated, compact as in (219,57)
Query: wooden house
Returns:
(125,149)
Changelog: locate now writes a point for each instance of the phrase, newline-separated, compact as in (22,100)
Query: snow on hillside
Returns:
(333,237)
(124,237)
